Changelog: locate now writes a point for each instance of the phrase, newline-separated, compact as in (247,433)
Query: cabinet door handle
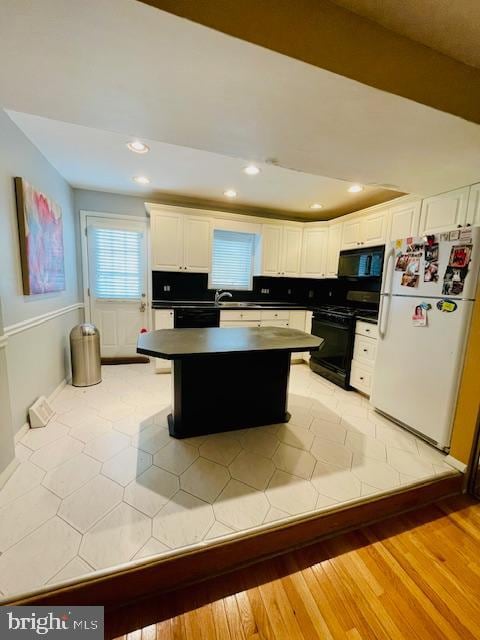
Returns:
(361,377)
(365,350)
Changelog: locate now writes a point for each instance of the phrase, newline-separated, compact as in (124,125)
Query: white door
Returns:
(117,282)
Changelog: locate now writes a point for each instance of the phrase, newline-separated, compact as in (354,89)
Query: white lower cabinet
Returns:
(245,318)
(163,319)
(364,352)
(295,319)
(361,377)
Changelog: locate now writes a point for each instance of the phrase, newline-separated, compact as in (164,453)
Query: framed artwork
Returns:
(40,228)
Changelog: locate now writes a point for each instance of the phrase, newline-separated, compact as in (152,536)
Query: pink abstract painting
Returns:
(41,240)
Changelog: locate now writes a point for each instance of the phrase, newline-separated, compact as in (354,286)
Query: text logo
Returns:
(52,622)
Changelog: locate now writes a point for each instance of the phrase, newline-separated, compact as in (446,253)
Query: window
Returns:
(232,260)
(117,263)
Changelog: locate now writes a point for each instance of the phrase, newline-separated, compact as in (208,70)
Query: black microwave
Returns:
(361,263)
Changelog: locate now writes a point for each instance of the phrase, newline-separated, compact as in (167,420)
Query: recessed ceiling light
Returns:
(251,170)
(230,193)
(316,205)
(141,180)
(138,147)
(355,188)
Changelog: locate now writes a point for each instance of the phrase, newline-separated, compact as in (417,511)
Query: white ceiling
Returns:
(96,159)
(122,66)
(449,26)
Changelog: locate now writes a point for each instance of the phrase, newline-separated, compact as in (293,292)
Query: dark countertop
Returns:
(370,319)
(238,306)
(173,344)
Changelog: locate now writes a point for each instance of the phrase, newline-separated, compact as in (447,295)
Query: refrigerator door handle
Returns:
(387,292)
(388,279)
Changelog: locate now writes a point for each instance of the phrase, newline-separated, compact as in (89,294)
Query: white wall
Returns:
(36,356)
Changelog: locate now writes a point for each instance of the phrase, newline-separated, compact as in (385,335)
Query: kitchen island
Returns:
(227,378)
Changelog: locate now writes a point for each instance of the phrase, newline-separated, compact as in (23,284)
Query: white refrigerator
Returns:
(428,292)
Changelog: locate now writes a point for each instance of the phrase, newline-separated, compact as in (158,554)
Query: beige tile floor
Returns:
(104,483)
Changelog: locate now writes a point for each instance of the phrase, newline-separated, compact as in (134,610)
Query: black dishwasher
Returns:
(196,318)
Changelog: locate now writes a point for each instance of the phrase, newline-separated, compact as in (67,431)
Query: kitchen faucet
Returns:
(219,294)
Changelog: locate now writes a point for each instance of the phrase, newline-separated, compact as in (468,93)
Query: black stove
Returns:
(336,324)
(334,308)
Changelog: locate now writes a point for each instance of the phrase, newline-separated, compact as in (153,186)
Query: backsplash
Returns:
(171,285)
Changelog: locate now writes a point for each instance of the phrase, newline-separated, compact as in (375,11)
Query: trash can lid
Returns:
(82,330)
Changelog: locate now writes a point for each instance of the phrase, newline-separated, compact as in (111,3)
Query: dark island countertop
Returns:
(174,344)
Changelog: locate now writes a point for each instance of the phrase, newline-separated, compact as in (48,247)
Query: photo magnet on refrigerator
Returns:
(419,317)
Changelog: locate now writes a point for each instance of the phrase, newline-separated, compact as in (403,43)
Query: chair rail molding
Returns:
(13,329)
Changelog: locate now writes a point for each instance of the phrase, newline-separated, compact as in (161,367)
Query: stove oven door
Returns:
(336,351)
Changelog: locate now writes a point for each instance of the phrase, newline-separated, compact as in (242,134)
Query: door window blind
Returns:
(118,263)
(232,260)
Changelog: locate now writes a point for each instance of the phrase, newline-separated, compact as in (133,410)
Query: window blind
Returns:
(118,263)
(232,260)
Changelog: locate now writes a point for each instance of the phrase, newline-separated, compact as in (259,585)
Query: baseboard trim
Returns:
(8,471)
(13,329)
(456,464)
(129,583)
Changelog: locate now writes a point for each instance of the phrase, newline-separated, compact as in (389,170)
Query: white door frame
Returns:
(84,216)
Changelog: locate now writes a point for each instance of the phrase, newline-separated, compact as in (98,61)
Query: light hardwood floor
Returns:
(413,576)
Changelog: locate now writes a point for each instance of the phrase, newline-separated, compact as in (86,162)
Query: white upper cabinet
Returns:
(166,231)
(180,242)
(444,212)
(473,212)
(314,252)
(281,250)
(292,251)
(405,220)
(272,236)
(197,235)
(352,233)
(366,230)
(334,243)
(374,228)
